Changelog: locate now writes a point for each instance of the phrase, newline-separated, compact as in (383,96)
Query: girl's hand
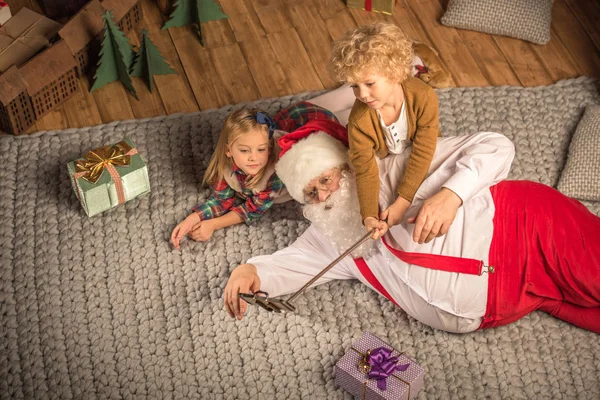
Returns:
(380,226)
(395,213)
(435,216)
(183,228)
(202,231)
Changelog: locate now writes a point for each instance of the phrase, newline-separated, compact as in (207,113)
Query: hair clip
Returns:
(264,119)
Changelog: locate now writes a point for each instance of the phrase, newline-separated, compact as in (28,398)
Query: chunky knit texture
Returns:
(103,307)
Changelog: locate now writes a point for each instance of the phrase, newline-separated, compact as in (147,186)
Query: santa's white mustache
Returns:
(338,218)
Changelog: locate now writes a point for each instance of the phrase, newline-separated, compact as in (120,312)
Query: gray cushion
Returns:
(581,176)
(522,19)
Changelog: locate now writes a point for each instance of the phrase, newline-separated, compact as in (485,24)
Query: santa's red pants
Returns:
(546,254)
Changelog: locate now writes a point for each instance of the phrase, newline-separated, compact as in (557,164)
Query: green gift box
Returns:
(108,176)
(382,6)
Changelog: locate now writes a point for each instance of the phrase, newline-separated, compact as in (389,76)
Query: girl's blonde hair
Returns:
(237,124)
(380,48)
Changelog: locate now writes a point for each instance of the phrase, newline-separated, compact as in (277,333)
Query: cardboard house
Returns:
(23,36)
(29,92)
(30,84)
(16,112)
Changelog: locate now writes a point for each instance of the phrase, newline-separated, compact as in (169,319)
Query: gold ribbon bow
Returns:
(94,162)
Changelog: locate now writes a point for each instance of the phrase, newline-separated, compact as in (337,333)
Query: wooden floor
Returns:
(270,48)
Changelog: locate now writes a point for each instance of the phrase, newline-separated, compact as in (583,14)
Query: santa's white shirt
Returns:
(467,165)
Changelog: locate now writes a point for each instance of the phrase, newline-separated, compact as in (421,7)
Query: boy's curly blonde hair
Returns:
(380,48)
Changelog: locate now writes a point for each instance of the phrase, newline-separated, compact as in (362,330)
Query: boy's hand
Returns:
(183,228)
(380,226)
(395,213)
(203,231)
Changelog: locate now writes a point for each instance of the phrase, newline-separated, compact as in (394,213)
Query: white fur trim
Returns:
(308,159)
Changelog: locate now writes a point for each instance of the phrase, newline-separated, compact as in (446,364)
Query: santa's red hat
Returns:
(309,151)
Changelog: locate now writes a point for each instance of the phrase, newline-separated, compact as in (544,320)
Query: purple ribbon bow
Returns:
(382,365)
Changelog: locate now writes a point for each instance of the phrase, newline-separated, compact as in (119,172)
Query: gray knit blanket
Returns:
(103,307)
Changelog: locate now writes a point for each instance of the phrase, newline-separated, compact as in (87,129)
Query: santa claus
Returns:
(473,251)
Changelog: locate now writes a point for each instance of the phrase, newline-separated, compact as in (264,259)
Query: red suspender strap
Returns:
(368,274)
(441,263)
(431,261)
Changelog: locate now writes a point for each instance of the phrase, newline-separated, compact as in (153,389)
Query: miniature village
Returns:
(41,59)
(32,86)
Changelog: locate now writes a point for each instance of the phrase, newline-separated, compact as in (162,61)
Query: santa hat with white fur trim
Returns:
(309,151)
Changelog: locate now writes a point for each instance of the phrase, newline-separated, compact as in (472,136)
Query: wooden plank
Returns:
(261,4)
(316,39)
(575,40)
(32,5)
(199,68)
(329,8)
(243,19)
(556,59)
(363,17)
(174,90)
(235,76)
(16,5)
(491,61)
(405,19)
(217,34)
(269,76)
(338,25)
(294,60)
(54,120)
(524,61)
(113,103)
(275,17)
(587,13)
(81,109)
(449,44)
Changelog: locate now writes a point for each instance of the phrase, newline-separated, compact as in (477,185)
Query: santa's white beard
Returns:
(339,220)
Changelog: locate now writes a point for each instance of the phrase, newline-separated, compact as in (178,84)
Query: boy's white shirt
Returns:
(396,133)
(467,165)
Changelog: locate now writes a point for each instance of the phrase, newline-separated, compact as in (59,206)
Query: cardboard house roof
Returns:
(83,27)
(23,36)
(11,85)
(120,8)
(47,67)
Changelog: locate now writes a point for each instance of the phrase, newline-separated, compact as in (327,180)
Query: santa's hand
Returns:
(183,228)
(435,216)
(380,227)
(394,214)
(243,279)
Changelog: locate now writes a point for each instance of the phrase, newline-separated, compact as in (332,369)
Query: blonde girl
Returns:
(242,173)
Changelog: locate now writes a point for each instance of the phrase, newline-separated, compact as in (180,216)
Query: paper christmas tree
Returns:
(194,12)
(116,57)
(149,61)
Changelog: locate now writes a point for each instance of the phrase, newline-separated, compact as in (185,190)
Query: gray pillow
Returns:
(522,19)
(581,176)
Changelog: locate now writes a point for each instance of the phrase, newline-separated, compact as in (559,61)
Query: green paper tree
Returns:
(194,12)
(149,61)
(116,57)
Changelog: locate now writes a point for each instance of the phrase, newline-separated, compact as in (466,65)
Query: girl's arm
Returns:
(205,229)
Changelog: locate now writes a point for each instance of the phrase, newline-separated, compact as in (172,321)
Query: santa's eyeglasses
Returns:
(324,183)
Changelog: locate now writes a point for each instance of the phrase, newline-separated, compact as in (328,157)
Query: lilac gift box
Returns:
(367,363)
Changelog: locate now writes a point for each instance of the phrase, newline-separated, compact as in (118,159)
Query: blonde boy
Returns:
(393,110)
